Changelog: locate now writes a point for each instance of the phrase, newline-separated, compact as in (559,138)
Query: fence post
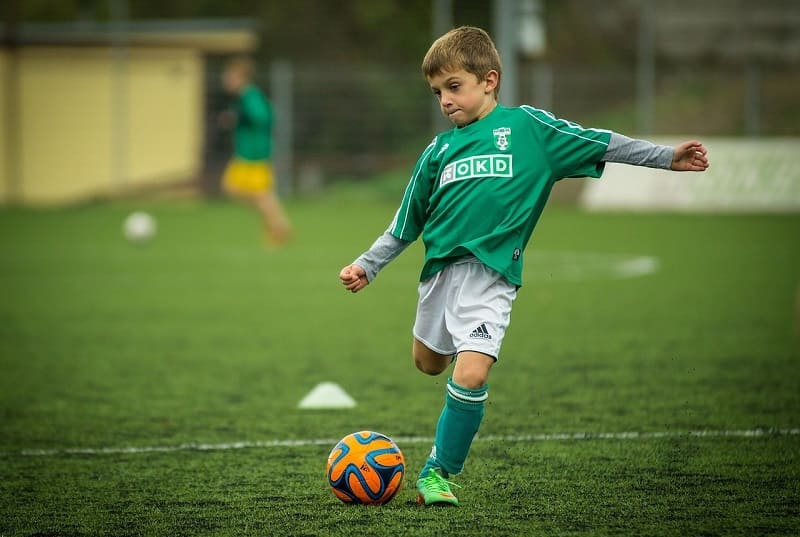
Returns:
(442,18)
(281,93)
(505,30)
(646,68)
(752,99)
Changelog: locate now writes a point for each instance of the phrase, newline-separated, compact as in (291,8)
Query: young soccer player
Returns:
(475,196)
(248,176)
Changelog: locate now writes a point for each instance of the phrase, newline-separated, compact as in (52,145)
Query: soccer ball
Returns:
(139,227)
(366,467)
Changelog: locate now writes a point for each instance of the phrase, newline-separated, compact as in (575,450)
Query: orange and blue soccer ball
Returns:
(366,467)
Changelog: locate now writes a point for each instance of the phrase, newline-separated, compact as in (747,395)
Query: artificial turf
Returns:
(205,336)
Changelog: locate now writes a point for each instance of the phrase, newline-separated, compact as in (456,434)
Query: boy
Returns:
(475,196)
(248,176)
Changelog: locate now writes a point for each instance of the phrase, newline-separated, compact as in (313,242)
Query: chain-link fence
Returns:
(354,121)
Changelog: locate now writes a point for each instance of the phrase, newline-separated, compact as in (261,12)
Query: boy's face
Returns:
(463,97)
(233,80)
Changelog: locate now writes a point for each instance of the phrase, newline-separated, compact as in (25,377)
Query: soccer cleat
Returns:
(434,489)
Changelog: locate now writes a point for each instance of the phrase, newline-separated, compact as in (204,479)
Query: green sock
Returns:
(458,423)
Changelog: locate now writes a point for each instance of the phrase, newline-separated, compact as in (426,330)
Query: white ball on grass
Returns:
(139,227)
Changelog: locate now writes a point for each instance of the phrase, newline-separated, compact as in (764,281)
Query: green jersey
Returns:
(480,189)
(252,137)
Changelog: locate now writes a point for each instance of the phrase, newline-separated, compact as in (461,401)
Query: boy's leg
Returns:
(472,369)
(429,361)
(276,224)
(477,315)
(433,348)
(462,414)
(458,423)
(275,221)
(253,183)
(464,307)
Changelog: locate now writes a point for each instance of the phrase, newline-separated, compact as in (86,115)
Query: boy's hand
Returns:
(354,278)
(690,157)
(226,119)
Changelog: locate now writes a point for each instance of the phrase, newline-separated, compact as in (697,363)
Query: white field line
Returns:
(267,444)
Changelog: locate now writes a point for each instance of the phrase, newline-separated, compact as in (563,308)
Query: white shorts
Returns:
(464,307)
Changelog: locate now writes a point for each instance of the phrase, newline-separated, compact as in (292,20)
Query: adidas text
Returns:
(481,332)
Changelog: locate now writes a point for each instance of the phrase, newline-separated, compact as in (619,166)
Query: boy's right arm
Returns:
(405,228)
(363,270)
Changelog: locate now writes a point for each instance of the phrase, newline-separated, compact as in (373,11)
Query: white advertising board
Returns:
(746,175)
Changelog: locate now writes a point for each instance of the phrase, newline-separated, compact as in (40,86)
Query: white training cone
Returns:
(327,395)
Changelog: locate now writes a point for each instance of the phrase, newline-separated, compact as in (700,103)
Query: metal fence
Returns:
(355,121)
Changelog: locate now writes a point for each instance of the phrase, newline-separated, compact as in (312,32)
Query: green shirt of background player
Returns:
(251,137)
(475,196)
(248,176)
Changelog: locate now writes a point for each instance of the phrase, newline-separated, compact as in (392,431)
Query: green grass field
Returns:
(204,336)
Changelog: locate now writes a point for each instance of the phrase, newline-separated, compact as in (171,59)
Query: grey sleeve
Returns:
(638,152)
(382,251)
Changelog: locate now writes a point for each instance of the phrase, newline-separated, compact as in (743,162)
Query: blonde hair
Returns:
(468,48)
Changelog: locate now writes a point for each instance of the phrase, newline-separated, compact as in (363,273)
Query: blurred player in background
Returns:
(248,176)
(475,196)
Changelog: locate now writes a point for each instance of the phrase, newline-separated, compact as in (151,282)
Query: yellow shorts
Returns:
(247,176)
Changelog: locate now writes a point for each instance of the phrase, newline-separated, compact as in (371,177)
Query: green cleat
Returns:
(434,489)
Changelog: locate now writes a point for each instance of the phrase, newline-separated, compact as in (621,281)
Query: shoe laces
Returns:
(437,483)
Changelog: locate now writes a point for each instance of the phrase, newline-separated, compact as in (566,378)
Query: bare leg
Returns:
(428,361)
(276,223)
(463,409)
(472,369)
(275,220)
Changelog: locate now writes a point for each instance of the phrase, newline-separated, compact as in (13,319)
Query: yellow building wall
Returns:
(4,179)
(165,106)
(65,116)
(95,124)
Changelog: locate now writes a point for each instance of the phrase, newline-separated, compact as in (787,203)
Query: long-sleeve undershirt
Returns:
(621,149)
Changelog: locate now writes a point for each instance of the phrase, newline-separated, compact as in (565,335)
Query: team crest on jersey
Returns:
(502,138)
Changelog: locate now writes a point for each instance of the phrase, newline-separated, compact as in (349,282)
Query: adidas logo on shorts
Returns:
(481,332)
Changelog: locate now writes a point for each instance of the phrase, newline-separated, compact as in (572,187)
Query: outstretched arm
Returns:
(687,156)
(690,156)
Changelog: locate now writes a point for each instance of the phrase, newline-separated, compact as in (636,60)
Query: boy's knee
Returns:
(472,370)
(471,380)
(428,367)
(428,361)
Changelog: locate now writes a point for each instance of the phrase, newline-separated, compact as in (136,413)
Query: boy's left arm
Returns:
(686,156)
(690,156)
